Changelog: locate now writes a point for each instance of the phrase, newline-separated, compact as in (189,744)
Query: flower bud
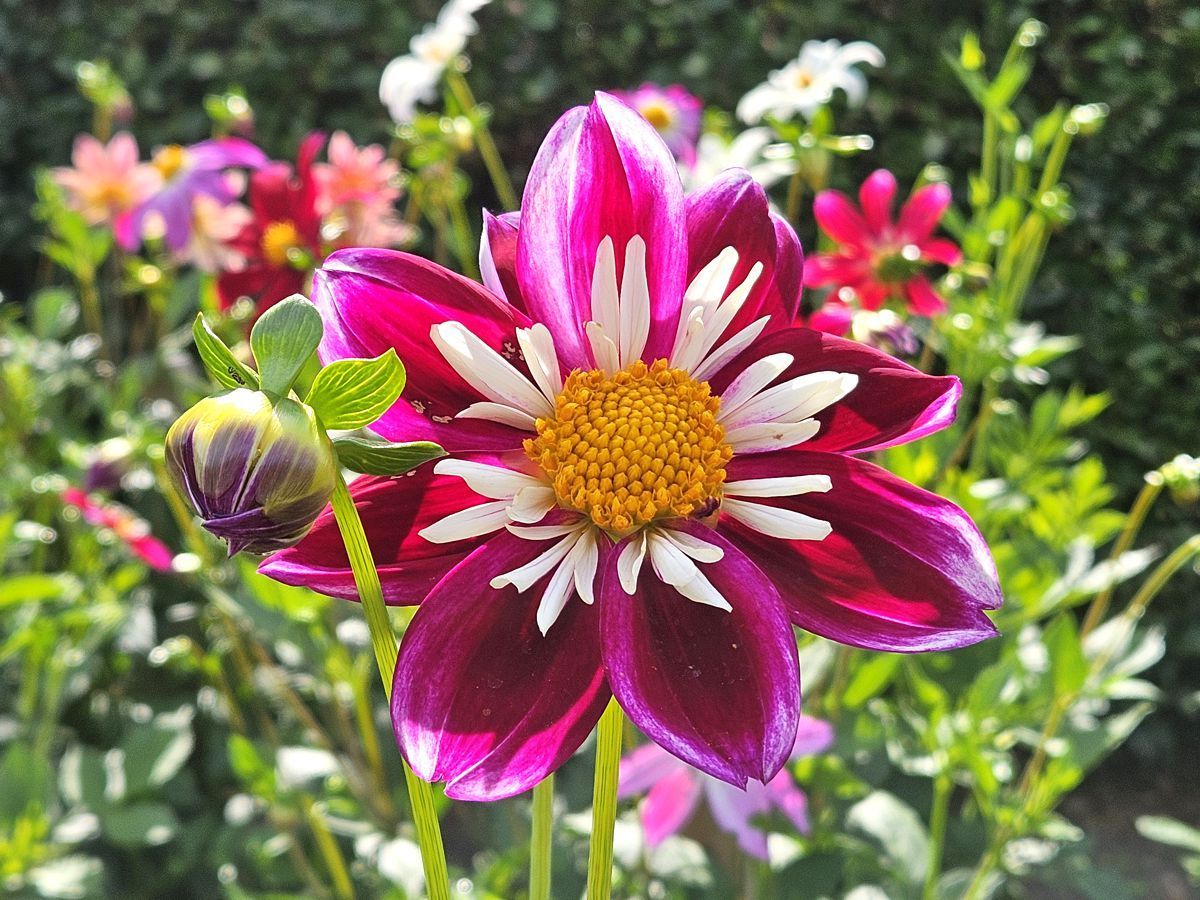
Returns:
(258,473)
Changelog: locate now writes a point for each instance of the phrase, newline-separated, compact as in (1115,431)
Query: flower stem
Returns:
(604,803)
(540,845)
(383,641)
(330,852)
(483,138)
(942,788)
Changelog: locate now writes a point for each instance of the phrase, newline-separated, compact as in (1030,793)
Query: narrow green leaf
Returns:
(219,359)
(869,678)
(352,393)
(1068,667)
(373,456)
(283,339)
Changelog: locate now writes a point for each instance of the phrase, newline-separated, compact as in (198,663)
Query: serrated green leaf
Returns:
(283,339)
(353,393)
(372,456)
(219,359)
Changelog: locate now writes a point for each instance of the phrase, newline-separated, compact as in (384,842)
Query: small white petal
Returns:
(635,302)
(689,338)
(675,568)
(728,350)
(492,482)
(537,346)
(794,400)
(697,549)
(557,593)
(531,503)
(472,522)
(775,522)
(526,576)
(629,563)
(753,379)
(543,532)
(729,308)
(604,351)
(587,558)
(786,486)
(486,370)
(499,412)
(606,308)
(760,437)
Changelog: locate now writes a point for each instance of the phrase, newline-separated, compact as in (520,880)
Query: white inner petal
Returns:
(753,379)
(707,313)
(676,568)
(629,563)
(759,437)
(604,351)
(775,522)
(531,503)
(493,482)
(635,302)
(793,401)
(697,549)
(472,522)
(537,346)
(785,486)
(499,412)
(487,371)
(524,577)
(731,348)
(606,308)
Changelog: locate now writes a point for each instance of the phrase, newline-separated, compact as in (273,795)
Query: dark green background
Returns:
(1123,276)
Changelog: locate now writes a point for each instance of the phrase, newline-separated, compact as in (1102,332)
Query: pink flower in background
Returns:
(676,789)
(881,258)
(673,111)
(654,474)
(125,524)
(357,192)
(214,226)
(107,183)
(190,172)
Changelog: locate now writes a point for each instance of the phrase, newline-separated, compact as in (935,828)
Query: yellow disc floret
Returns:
(629,448)
(279,239)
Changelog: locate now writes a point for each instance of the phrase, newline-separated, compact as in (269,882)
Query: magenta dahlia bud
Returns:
(258,473)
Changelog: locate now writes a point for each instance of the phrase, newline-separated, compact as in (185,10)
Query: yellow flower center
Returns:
(803,79)
(629,448)
(278,241)
(656,114)
(169,160)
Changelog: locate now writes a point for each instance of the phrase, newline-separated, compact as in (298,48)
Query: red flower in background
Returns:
(282,244)
(880,258)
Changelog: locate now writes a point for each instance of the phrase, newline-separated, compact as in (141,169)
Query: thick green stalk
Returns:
(383,641)
(540,844)
(483,138)
(604,803)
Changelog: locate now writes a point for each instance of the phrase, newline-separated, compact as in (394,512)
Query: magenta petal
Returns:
(481,700)
(840,220)
(941,250)
(371,300)
(922,211)
(393,510)
(498,256)
(903,569)
(733,211)
(603,171)
(789,800)
(670,804)
(922,298)
(893,403)
(877,194)
(718,689)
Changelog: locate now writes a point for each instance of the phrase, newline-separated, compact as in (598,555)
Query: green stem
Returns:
(604,803)
(1133,524)
(942,789)
(794,194)
(330,852)
(483,138)
(540,844)
(383,642)
(463,239)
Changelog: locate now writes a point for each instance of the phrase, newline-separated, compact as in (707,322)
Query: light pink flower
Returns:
(214,226)
(133,531)
(357,191)
(675,790)
(107,183)
(673,111)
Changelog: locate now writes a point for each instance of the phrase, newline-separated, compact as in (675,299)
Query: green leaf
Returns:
(27,779)
(1068,667)
(32,588)
(155,753)
(373,456)
(896,829)
(139,824)
(352,393)
(870,678)
(283,339)
(219,359)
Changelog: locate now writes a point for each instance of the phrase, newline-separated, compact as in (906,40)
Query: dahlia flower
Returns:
(673,111)
(675,790)
(807,83)
(654,474)
(282,242)
(214,226)
(878,257)
(189,172)
(107,183)
(356,195)
(879,328)
(131,529)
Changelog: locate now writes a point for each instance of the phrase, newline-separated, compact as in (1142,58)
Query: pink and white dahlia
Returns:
(107,183)
(673,111)
(654,475)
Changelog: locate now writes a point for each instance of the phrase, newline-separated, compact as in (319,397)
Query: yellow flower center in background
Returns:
(278,241)
(803,79)
(629,448)
(169,160)
(656,114)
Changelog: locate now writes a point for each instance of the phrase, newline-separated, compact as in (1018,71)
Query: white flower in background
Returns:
(807,83)
(752,150)
(413,78)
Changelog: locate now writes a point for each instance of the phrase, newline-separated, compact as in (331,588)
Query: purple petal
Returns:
(812,736)
(603,171)
(644,768)
(225,153)
(718,689)
(903,570)
(481,700)
(789,800)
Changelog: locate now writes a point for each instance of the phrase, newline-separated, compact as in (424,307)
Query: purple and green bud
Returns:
(257,472)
